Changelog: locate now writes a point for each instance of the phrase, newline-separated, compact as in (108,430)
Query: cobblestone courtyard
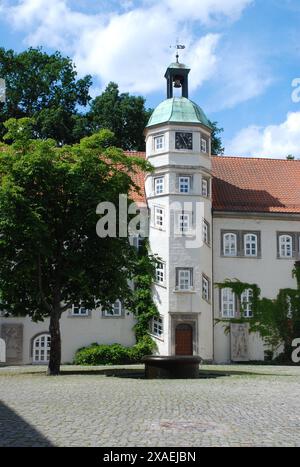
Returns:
(249,406)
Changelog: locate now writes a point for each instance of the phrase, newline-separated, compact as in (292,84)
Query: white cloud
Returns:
(276,141)
(208,11)
(130,47)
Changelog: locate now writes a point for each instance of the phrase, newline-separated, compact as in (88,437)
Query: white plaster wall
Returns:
(78,332)
(269,273)
(173,249)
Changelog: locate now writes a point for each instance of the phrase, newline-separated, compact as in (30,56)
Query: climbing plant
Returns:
(277,321)
(142,305)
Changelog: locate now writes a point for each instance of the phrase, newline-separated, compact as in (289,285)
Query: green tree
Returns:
(45,87)
(51,256)
(290,157)
(216,141)
(123,114)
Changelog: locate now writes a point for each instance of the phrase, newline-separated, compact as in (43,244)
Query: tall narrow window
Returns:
(184,222)
(246,302)
(159,143)
(285,246)
(184,279)
(203,145)
(159,216)
(159,185)
(206,233)
(157,326)
(205,187)
(250,243)
(229,244)
(227,303)
(160,273)
(205,288)
(184,184)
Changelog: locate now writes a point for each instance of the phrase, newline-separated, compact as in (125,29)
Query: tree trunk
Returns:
(55,350)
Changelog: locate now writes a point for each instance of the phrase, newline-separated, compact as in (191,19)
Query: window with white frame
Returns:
(159,142)
(205,288)
(246,302)
(159,185)
(114,310)
(206,235)
(229,244)
(41,348)
(160,273)
(157,326)
(203,145)
(205,187)
(184,279)
(184,222)
(286,246)
(184,184)
(250,244)
(78,310)
(227,303)
(159,217)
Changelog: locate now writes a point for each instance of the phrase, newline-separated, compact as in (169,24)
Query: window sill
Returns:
(161,339)
(190,291)
(80,316)
(113,317)
(241,257)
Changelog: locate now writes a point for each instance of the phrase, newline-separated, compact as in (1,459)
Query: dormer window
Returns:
(159,143)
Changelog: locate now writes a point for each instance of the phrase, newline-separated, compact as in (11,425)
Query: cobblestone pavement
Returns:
(242,406)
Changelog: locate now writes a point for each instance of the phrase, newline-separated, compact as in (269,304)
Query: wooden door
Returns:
(184,339)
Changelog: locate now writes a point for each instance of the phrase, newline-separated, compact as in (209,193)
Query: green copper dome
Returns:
(178,110)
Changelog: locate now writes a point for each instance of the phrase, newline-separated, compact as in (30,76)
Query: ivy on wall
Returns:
(142,305)
(277,321)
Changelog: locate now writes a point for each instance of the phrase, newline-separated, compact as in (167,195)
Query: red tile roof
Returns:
(256,185)
(248,184)
(139,179)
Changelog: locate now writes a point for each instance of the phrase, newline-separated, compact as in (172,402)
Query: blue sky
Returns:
(244,55)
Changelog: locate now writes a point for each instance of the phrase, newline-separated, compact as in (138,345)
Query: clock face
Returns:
(183,140)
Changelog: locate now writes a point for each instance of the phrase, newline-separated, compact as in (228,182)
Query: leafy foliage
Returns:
(123,114)
(277,321)
(51,256)
(142,305)
(114,354)
(217,147)
(44,87)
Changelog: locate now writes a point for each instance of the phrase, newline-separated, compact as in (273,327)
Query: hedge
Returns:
(115,354)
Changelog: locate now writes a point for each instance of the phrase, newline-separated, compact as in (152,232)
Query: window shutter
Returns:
(294,240)
(177,184)
(240,243)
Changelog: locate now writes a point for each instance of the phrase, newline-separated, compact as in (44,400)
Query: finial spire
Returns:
(177,47)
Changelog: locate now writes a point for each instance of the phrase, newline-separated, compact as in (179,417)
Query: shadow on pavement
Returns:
(16,432)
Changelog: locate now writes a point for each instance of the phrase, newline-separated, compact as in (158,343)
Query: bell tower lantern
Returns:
(177,77)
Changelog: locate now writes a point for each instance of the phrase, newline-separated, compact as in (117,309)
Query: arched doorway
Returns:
(184,339)
(41,349)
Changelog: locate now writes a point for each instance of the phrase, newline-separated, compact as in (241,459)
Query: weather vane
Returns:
(177,47)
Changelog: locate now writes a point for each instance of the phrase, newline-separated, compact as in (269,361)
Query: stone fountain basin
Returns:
(171,367)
